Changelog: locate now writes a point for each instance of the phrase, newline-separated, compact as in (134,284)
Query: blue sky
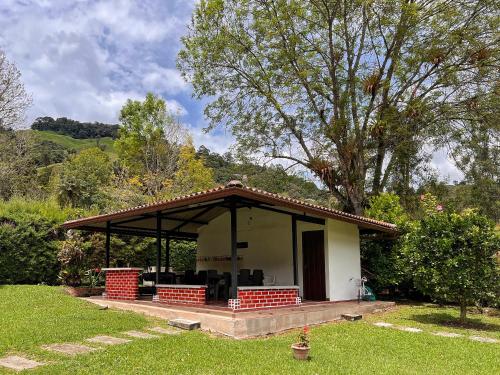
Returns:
(83,59)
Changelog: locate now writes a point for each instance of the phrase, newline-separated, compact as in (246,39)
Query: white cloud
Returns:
(159,79)
(445,166)
(219,142)
(83,59)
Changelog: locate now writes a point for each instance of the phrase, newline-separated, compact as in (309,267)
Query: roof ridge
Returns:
(251,189)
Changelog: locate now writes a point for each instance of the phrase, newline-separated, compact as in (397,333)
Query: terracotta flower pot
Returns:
(300,352)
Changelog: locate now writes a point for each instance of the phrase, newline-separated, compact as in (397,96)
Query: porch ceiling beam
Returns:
(143,232)
(193,218)
(163,216)
(299,217)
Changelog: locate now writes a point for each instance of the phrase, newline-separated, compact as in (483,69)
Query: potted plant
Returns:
(90,284)
(301,348)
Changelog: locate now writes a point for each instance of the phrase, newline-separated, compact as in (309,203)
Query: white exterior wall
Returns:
(342,260)
(269,237)
(269,240)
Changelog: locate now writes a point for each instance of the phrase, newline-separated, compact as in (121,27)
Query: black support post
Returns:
(234,252)
(167,253)
(158,246)
(294,250)
(108,241)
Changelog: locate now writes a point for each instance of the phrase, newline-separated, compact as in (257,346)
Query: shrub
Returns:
(381,257)
(452,258)
(29,236)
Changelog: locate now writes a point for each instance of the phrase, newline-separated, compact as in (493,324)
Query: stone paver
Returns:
(383,324)
(164,331)
(108,340)
(409,329)
(17,363)
(184,324)
(140,335)
(447,334)
(484,339)
(68,348)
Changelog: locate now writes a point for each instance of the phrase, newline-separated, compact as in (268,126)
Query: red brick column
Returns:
(267,296)
(122,283)
(186,294)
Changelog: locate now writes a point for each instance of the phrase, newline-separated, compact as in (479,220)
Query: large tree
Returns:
(349,89)
(148,141)
(474,141)
(13,98)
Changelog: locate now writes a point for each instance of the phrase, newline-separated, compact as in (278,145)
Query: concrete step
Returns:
(184,324)
(352,317)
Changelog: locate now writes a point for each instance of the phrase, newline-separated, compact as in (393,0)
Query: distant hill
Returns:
(55,143)
(50,142)
(75,129)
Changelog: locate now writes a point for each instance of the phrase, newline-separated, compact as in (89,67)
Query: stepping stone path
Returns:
(447,334)
(164,331)
(383,324)
(140,335)
(409,329)
(440,333)
(17,363)
(68,348)
(484,339)
(108,340)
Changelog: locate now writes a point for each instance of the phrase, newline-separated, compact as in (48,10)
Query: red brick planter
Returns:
(256,297)
(122,283)
(83,291)
(176,293)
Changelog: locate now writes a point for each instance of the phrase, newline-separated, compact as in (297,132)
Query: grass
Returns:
(36,315)
(77,144)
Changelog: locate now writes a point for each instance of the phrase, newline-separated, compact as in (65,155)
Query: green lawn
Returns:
(35,315)
(77,144)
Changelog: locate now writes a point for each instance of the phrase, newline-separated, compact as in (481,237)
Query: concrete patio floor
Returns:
(244,324)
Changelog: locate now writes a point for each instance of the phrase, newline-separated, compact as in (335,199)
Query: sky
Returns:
(84,59)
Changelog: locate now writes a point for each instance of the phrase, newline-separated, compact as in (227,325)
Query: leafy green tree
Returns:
(81,179)
(474,140)
(18,163)
(148,142)
(273,178)
(382,257)
(451,257)
(192,175)
(351,90)
(74,128)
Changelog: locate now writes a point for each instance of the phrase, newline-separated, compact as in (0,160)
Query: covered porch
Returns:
(255,250)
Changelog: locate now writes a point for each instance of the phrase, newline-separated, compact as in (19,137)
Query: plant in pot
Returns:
(301,348)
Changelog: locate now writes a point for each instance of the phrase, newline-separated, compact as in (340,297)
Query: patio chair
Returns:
(269,280)
(257,277)
(223,285)
(244,277)
(202,277)
(212,280)
(189,277)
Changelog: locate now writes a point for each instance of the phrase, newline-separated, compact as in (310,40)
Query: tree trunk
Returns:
(463,312)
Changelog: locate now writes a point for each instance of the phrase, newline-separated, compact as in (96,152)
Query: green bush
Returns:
(381,257)
(29,238)
(452,258)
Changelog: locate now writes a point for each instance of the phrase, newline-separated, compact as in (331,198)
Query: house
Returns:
(295,251)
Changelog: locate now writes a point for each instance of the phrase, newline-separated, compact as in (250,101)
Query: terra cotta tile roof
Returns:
(241,191)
